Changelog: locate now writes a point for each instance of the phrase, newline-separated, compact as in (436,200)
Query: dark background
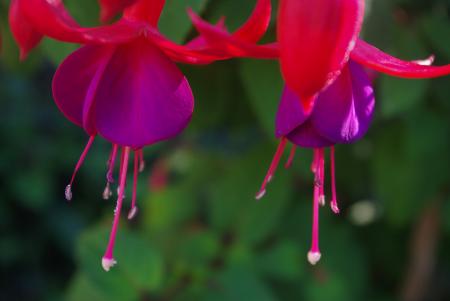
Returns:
(200,235)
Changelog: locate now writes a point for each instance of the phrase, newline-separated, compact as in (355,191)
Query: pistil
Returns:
(314,253)
(108,260)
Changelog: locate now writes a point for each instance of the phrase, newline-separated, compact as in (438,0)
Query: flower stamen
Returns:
(291,157)
(134,209)
(141,160)
(333,202)
(321,162)
(111,163)
(68,190)
(314,253)
(272,168)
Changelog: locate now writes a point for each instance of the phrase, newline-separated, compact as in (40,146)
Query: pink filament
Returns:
(333,203)
(135,176)
(111,163)
(272,168)
(141,160)
(315,225)
(122,182)
(321,163)
(314,161)
(291,157)
(82,157)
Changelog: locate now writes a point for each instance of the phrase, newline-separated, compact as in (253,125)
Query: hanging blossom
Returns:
(326,37)
(328,98)
(123,83)
(342,114)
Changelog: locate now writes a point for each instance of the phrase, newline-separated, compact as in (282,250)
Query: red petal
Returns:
(23,32)
(145,10)
(110,8)
(316,38)
(374,58)
(256,26)
(54,21)
(229,45)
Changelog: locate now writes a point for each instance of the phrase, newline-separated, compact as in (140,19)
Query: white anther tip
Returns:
(314,257)
(141,166)
(334,207)
(322,200)
(108,263)
(68,192)
(132,213)
(260,194)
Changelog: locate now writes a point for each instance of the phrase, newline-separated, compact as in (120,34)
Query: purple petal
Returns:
(290,113)
(142,97)
(74,78)
(307,136)
(343,112)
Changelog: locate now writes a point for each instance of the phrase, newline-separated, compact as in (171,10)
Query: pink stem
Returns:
(334,202)
(291,157)
(82,157)
(272,168)
(111,163)
(141,160)
(108,259)
(68,191)
(133,209)
(322,176)
(314,253)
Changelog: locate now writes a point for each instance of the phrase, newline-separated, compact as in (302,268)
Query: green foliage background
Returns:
(203,237)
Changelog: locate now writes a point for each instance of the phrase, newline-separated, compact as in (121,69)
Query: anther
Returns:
(108,263)
(132,213)
(314,257)
(107,193)
(68,192)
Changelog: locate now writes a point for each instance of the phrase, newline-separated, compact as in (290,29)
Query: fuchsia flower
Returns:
(342,113)
(123,84)
(328,98)
(317,39)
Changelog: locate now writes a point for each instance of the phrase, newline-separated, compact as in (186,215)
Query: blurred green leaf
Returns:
(175,22)
(81,288)
(283,262)
(233,205)
(139,267)
(264,85)
(437,26)
(236,284)
(400,95)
